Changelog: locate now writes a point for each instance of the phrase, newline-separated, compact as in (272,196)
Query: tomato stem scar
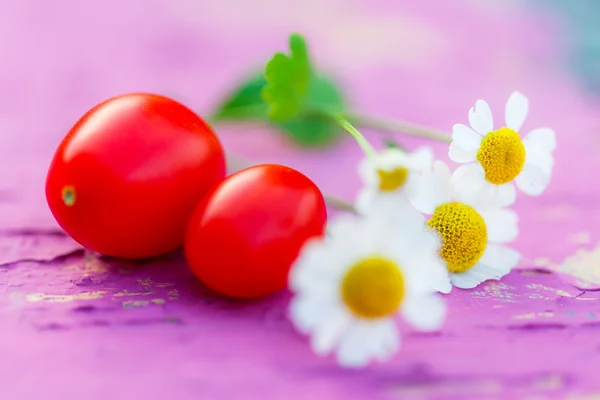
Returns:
(68,195)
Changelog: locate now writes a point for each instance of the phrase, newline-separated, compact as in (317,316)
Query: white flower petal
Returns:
(343,226)
(421,160)
(389,339)
(420,192)
(460,155)
(407,238)
(304,270)
(501,224)
(392,157)
(431,189)
(501,258)
(390,213)
(533,180)
(316,280)
(504,195)
(425,312)
(366,200)
(379,229)
(402,243)
(442,284)
(389,160)
(496,262)
(542,159)
(475,276)
(442,171)
(424,271)
(319,264)
(517,108)
(466,137)
(327,335)
(347,237)
(353,350)
(480,118)
(539,145)
(367,171)
(365,341)
(540,139)
(472,188)
(465,280)
(442,176)
(469,183)
(370,201)
(308,311)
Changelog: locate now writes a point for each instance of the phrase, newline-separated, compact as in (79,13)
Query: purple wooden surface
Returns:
(74,326)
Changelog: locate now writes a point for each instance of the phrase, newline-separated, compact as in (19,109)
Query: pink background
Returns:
(74,326)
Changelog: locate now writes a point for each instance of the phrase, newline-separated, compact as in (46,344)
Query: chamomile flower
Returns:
(497,158)
(389,175)
(350,287)
(472,233)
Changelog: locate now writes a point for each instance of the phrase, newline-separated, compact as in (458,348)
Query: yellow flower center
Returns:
(392,180)
(463,232)
(373,288)
(502,156)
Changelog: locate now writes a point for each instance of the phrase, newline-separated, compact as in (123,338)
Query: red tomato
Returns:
(244,235)
(127,177)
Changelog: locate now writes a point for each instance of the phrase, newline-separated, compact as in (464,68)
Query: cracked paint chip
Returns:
(54,298)
(142,303)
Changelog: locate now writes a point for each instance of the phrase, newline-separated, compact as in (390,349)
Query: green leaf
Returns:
(291,91)
(288,80)
(244,103)
(317,130)
(306,130)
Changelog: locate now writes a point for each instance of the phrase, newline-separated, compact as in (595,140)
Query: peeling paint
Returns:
(125,293)
(537,286)
(534,315)
(497,291)
(142,303)
(54,298)
(145,282)
(164,285)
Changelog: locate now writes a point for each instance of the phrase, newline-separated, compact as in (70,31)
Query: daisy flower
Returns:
(350,287)
(389,174)
(496,158)
(472,233)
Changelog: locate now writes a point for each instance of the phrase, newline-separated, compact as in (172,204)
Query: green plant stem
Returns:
(397,126)
(257,113)
(339,204)
(236,164)
(359,137)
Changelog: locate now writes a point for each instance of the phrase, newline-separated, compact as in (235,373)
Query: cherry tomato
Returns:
(244,236)
(126,178)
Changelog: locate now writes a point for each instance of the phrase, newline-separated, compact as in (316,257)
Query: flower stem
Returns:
(339,204)
(397,126)
(256,113)
(359,137)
